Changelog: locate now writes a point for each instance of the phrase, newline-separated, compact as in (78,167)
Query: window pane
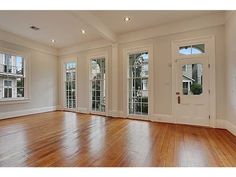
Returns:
(192,50)
(198,49)
(144,108)
(20,92)
(185,50)
(192,79)
(20,82)
(7,83)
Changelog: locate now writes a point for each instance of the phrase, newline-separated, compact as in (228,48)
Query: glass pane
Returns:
(93,105)
(98,85)
(7,83)
(185,50)
(144,108)
(145,84)
(198,49)
(98,106)
(19,65)
(138,108)
(20,82)
(20,92)
(192,79)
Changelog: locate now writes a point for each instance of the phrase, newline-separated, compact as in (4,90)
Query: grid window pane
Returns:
(98,84)
(70,84)
(138,83)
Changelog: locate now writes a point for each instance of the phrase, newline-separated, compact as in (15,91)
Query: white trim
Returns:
(13,114)
(130,50)
(83,110)
(94,55)
(210,40)
(166,118)
(225,124)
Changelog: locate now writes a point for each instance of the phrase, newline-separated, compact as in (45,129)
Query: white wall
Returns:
(162,78)
(162,68)
(230,43)
(43,83)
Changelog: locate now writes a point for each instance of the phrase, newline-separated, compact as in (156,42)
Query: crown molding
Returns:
(21,41)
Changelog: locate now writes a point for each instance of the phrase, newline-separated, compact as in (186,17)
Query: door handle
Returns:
(178,99)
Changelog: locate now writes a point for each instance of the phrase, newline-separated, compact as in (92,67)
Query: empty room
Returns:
(126,88)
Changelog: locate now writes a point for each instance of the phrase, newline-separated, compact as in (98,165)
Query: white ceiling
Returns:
(65,26)
(143,19)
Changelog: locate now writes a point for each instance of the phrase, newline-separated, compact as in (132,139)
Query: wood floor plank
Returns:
(79,140)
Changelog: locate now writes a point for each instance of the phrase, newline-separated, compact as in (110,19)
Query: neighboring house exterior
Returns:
(191,74)
(11,76)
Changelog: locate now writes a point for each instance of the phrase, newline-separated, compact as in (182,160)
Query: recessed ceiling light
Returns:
(53,40)
(35,28)
(83,31)
(127,19)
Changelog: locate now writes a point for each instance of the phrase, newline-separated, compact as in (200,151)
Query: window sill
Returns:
(14,101)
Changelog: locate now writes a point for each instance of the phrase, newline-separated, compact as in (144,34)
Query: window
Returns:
(192,79)
(70,85)
(98,80)
(12,76)
(138,83)
(192,49)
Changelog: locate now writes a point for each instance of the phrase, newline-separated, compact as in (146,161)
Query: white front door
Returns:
(192,91)
(191,84)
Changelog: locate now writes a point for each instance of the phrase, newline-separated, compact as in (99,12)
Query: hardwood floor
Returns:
(70,139)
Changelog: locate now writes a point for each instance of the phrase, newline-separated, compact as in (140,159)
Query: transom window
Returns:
(12,76)
(138,83)
(70,85)
(98,84)
(192,49)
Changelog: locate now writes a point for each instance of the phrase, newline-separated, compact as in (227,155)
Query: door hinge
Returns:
(209,65)
(209,116)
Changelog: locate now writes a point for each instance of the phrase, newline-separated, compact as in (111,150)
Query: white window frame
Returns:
(26,67)
(63,99)
(89,58)
(126,53)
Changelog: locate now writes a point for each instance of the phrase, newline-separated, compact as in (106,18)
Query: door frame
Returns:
(209,42)
(126,52)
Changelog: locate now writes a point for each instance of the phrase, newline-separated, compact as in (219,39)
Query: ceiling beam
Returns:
(95,23)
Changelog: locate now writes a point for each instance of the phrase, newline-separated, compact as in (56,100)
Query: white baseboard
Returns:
(225,124)
(162,118)
(12,114)
(115,113)
(83,110)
